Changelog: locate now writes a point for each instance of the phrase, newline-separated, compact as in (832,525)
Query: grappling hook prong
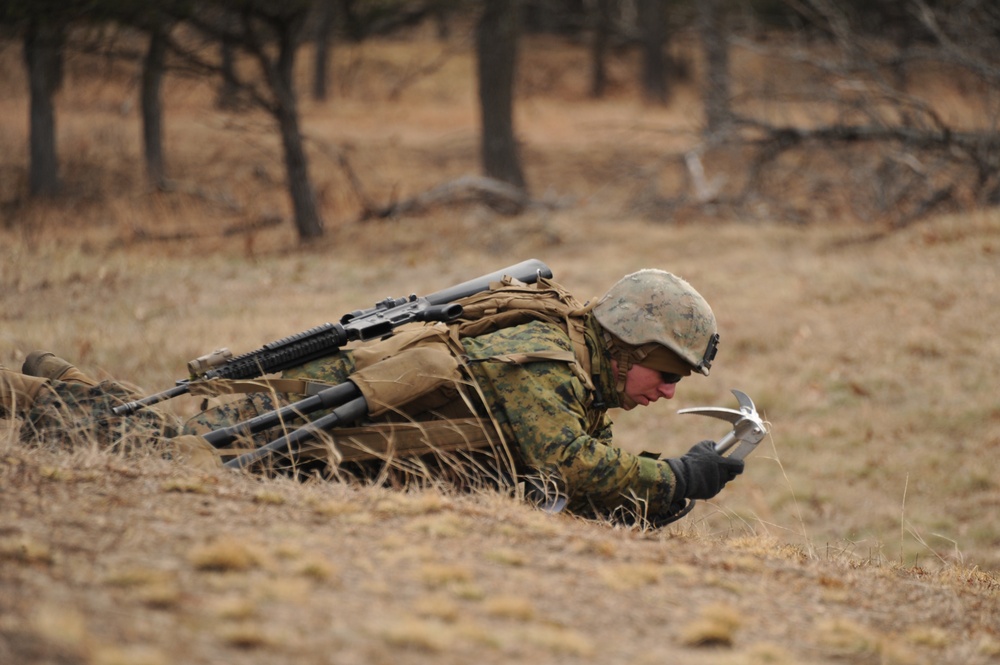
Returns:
(748,427)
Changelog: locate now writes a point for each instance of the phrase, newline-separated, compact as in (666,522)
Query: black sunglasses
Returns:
(667,377)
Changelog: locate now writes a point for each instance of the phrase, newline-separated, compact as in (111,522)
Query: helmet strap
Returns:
(624,359)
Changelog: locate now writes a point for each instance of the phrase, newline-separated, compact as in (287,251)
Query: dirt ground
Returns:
(862,531)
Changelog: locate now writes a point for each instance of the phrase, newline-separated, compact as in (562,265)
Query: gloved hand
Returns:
(702,473)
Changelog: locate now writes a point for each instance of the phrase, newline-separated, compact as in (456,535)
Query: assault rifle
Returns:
(323,340)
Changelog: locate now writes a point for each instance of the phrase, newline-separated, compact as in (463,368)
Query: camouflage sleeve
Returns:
(542,406)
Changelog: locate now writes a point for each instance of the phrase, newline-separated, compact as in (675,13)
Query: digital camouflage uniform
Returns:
(554,424)
(544,394)
(67,414)
(559,427)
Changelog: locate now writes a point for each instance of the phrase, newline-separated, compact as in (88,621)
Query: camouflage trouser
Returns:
(237,411)
(72,414)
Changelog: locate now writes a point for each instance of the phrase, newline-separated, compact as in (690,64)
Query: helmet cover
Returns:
(656,307)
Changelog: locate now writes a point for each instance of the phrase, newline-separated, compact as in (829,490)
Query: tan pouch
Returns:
(413,373)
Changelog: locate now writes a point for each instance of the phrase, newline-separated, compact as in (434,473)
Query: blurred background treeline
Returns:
(806,110)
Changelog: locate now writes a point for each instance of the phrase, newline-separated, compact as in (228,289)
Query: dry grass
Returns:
(862,530)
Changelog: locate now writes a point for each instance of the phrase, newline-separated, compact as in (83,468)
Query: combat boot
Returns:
(18,392)
(50,366)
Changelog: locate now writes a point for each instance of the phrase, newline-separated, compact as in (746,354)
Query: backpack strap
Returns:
(217,387)
(511,302)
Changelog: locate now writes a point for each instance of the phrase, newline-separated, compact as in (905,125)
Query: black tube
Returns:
(325,399)
(348,413)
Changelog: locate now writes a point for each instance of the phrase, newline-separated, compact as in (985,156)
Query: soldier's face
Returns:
(644,386)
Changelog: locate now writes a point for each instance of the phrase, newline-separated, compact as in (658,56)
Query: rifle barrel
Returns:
(525,271)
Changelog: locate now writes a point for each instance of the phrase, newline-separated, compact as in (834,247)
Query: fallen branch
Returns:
(251,226)
(500,196)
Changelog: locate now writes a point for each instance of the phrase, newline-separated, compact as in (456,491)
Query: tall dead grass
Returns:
(872,358)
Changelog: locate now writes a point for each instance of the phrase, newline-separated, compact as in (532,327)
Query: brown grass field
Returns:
(864,529)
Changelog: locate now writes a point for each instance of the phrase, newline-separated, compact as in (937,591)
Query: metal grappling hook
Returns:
(748,430)
(748,427)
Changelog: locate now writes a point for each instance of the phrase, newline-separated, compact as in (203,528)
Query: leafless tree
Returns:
(714,34)
(271,34)
(652,17)
(496,50)
(326,13)
(153,68)
(43,54)
(846,119)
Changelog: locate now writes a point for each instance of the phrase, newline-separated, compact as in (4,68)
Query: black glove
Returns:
(702,473)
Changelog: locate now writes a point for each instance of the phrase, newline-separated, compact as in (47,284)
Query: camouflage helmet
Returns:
(656,307)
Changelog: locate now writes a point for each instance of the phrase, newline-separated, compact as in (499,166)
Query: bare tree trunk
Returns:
(326,12)
(43,53)
(279,74)
(496,50)
(652,16)
(228,95)
(601,31)
(152,108)
(715,79)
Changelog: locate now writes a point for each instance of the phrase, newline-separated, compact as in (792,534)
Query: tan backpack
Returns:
(385,372)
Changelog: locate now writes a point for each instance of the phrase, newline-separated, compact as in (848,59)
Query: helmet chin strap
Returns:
(624,359)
